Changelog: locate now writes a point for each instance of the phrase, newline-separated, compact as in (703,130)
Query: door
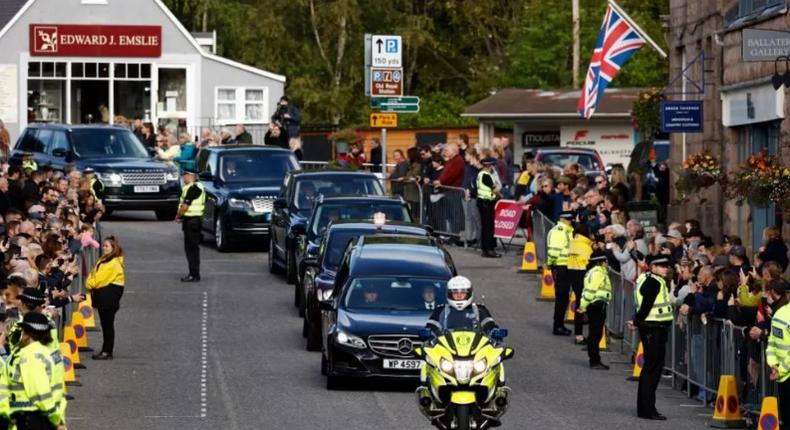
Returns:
(40,154)
(763,137)
(280,216)
(212,194)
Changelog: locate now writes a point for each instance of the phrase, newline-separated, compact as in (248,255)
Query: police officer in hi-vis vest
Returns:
(487,194)
(653,318)
(558,243)
(777,355)
(190,214)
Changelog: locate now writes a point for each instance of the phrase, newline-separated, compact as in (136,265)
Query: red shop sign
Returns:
(56,40)
(506,217)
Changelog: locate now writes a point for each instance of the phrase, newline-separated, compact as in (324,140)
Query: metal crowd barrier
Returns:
(445,209)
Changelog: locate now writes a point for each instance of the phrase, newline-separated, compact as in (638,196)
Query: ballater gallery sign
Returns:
(57,40)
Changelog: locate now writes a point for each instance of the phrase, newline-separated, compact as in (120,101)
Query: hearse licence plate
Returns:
(146,188)
(403,364)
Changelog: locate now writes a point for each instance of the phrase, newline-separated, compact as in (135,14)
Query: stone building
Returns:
(723,54)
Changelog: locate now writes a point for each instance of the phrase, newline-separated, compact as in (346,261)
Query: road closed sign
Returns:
(507,214)
(383,120)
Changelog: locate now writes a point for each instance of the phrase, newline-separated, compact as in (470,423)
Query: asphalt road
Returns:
(227,353)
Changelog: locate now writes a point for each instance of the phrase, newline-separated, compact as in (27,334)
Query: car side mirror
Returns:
(299,229)
(326,305)
(206,176)
(419,352)
(507,354)
(280,203)
(60,152)
(425,333)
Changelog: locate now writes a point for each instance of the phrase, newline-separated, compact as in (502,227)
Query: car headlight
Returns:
(463,370)
(172,175)
(350,340)
(111,179)
(239,203)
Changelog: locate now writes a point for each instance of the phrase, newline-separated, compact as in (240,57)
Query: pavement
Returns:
(228,353)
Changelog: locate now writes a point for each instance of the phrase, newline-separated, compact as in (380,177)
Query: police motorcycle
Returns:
(463,379)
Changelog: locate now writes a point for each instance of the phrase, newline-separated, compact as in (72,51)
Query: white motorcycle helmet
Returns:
(460,284)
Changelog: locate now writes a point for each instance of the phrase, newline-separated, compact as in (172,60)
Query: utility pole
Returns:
(576,43)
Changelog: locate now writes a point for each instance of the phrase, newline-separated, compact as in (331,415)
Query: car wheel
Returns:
(290,267)
(301,297)
(166,214)
(323,364)
(333,382)
(313,337)
(273,267)
(220,236)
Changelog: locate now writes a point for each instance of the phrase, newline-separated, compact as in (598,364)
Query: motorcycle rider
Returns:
(460,312)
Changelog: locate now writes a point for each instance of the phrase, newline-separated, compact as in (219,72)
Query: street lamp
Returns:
(778,80)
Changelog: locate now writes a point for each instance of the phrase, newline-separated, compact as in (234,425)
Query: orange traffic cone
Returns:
(71,339)
(546,286)
(571,314)
(68,363)
(727,413)
(639,361)
(769,414)
(529,260)
(88,315)
(80,334)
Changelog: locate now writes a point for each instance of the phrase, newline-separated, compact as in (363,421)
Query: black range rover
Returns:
(132,179)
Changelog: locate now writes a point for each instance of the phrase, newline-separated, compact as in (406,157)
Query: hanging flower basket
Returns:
(761,180)
(699,171)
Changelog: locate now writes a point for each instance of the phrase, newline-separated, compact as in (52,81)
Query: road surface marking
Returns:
(204,356)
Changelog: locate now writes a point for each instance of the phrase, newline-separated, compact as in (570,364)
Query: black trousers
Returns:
(107,319)
(784,403)
(191,228)
(487,240)
(654,342)
(596,314)
(577,284)
(32,421)
(562,291)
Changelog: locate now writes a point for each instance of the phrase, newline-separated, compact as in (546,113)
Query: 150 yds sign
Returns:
(507,214)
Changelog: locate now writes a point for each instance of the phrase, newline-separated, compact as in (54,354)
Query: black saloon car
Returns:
(132,179)
(294,203)
(384,293)
(242,182)
(319,276)
(330,209)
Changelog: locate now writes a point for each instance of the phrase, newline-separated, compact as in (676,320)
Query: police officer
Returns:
(460,313)
(35,397)
(5,396)
(96,186)
(777,355)
(190,214)
(596,295)
(28,162)
(487,193)
(559,242)
(653,318)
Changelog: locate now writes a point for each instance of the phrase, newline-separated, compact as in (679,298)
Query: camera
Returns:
(279,116)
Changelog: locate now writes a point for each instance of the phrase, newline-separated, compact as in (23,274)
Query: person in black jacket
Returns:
(276,136)
(773,249)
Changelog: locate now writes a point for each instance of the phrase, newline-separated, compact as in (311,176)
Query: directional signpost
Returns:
(383,120)
(407,104)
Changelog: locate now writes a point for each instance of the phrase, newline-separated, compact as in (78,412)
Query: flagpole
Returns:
(637,28)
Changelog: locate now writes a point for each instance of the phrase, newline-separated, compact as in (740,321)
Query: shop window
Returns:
(38,69)
(77,70)
(241,105)
(743,11)
(45,100)
(172,96)
(132,100)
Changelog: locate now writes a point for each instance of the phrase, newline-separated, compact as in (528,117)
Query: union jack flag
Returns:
(616,43)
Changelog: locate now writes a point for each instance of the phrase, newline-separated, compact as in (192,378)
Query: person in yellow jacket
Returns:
(35,398)
(105,283)
(595,298)
(777,354)
(5,396)
(578,257)
(558,243)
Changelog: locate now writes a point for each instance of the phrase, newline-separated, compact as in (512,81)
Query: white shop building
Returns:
(111,61)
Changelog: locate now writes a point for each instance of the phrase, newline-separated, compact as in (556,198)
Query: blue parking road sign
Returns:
(682,117)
